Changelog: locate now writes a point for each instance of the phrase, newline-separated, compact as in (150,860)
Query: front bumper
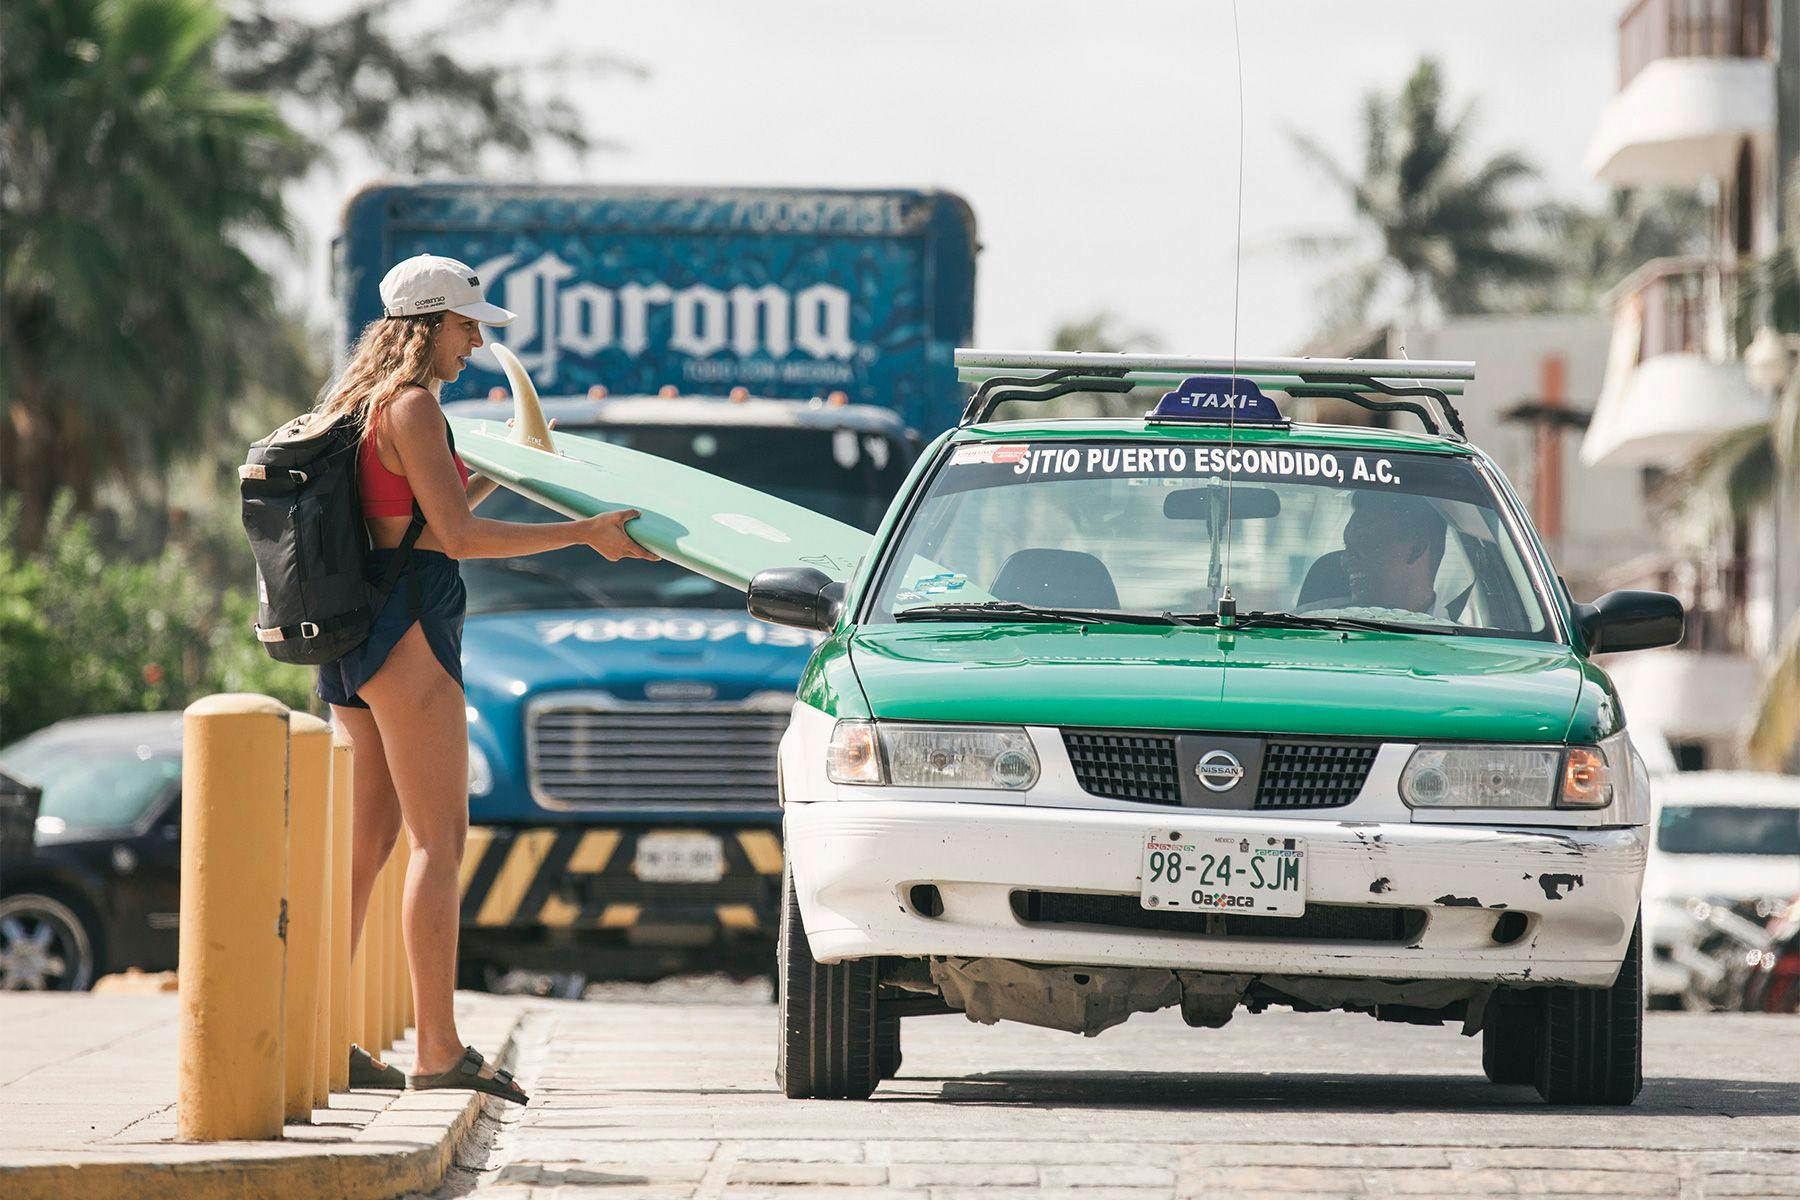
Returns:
(855,865)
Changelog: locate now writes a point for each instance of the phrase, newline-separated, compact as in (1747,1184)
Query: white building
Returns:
(1709,98)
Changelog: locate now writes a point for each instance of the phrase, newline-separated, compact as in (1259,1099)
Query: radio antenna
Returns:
(1226,601)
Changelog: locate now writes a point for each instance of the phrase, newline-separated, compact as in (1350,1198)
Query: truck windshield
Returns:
(1316,535)
(846,474)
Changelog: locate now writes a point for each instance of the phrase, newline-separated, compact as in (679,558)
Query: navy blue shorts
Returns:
(435,589)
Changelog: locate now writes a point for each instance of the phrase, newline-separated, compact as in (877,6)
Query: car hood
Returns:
(1279,681)
(715,652)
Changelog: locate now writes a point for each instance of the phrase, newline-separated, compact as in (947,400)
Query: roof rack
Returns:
(1002,375)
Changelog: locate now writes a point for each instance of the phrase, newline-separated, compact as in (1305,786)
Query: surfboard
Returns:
(720,529)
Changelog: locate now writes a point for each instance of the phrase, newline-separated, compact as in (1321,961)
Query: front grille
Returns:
(1319,923)
(1142,767)
(584,754)
(1313,774)
(1125,766)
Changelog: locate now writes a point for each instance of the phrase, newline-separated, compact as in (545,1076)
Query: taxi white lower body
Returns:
(1057,907)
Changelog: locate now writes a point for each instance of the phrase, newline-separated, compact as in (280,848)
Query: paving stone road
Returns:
(663,1097)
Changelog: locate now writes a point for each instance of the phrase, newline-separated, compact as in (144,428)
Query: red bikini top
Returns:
(385,494)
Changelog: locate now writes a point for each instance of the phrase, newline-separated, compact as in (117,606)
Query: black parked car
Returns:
(102,888)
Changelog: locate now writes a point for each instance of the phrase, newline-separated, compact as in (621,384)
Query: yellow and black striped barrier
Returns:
(582,877)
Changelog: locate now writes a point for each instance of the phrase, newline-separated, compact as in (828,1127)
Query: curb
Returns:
(407,1147)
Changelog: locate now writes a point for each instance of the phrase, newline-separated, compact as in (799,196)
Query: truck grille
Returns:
(583,754)
(1295,774)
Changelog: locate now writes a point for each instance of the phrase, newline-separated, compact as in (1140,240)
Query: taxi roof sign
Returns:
(1218,398)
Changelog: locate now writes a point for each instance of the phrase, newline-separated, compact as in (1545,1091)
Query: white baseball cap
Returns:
(429,283)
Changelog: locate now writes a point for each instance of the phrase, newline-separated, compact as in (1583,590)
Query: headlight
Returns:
(936,756)
(481,776)
(853,756)
(1507,777)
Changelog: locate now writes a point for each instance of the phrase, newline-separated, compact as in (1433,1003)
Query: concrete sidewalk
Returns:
(87,1108)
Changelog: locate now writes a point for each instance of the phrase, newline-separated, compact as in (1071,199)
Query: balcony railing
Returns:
(1653,29)
(1685,305)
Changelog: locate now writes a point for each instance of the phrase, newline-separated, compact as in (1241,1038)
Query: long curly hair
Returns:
(392,353)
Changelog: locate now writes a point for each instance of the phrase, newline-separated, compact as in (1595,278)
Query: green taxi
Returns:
(1212,709)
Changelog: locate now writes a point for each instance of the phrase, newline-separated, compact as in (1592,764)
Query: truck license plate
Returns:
(1254,876)
(679,858)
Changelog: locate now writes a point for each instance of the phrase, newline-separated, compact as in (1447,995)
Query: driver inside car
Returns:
(1393,546)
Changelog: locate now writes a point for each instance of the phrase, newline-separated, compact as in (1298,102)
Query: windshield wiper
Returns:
(1288,620)
(988,610)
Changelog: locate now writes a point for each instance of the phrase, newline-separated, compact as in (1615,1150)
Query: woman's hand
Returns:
(606,534)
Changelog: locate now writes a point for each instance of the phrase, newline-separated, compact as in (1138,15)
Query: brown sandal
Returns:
(466,1076)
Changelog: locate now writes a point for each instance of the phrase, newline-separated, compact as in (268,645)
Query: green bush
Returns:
(84,630)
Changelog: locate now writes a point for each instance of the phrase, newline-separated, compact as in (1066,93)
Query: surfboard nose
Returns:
(529,427)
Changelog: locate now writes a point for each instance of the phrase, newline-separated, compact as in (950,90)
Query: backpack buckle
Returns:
(308,629)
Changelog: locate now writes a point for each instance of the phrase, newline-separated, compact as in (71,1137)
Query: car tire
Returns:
(826,1031)
(887,1046)
(45,945)
(1593,1043)
(1512,1038)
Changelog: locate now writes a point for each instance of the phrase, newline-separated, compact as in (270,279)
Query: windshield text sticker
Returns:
(1164,461)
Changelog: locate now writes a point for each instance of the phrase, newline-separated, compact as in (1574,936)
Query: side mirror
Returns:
(1629,620)
(804,597)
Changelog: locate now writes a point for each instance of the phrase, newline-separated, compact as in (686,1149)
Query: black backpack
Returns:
(303,512)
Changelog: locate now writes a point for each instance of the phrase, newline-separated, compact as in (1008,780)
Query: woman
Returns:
(399,695)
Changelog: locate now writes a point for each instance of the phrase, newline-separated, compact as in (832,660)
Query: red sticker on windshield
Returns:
(984,453)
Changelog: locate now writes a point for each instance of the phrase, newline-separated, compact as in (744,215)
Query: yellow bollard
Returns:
(234,768)
(406,994)
(373,945)
(342,785)
(397,963)
(321,1070)
(309,800)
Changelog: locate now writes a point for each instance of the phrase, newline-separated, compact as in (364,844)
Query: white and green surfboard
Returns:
(697,520)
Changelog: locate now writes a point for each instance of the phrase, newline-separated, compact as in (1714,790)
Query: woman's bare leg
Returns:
(376,809)
(423,723)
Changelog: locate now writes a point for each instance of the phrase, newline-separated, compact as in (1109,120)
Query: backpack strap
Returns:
(402,563)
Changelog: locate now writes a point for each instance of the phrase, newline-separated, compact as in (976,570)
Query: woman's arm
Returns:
(415,425)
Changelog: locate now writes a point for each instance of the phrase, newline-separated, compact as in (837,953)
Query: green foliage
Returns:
(83,631)
(132,175)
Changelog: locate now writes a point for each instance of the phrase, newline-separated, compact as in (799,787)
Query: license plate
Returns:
(679,858)
(1254,876)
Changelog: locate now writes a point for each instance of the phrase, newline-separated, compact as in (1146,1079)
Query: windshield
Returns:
(1416,540)
(844,474)
(90,784)
(1727,829)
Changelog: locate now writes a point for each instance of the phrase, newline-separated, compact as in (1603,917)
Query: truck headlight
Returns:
(938,756)
(1507,777)
(481,776)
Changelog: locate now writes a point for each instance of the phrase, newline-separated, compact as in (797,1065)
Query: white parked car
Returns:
(1722,837)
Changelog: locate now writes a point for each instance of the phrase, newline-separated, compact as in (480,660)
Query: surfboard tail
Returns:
(529,427)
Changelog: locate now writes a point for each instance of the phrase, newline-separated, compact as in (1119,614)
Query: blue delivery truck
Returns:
(624,717)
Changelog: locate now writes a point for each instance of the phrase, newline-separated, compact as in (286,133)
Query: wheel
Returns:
(1593,1043)
(826,1032)
(1512,1038)
(44,946)
(887,1046)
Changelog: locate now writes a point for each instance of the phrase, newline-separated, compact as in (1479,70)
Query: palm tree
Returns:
(130,179)
(1444,229)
